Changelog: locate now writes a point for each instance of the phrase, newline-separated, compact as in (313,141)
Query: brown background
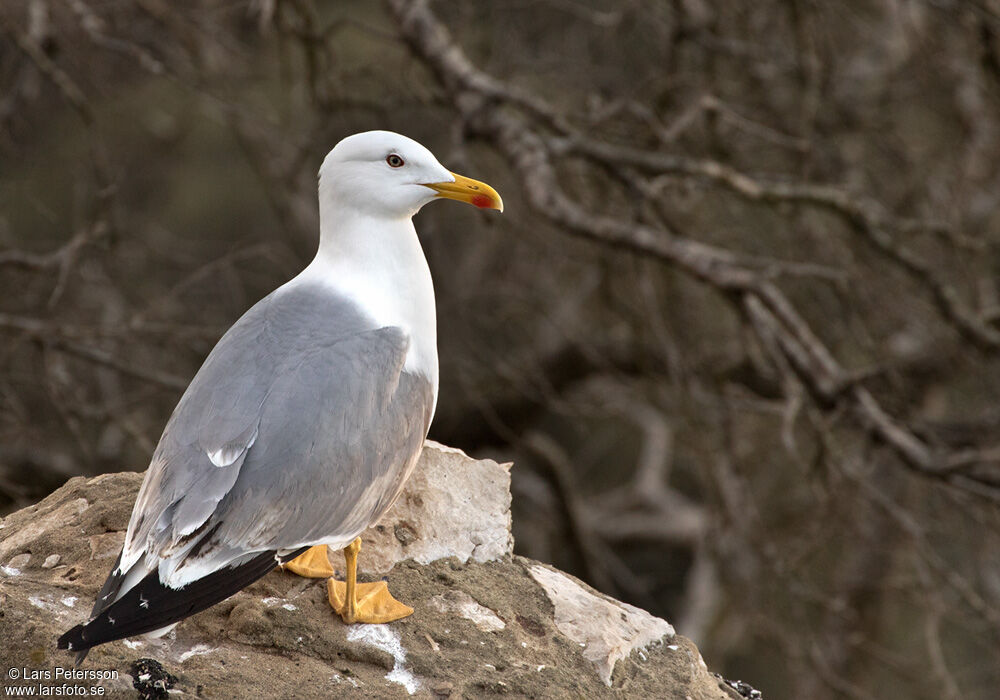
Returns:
(738,328)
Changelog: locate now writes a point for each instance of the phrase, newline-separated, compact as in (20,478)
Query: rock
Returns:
(446,510)
(151,680)
(456,602)
(607,629)
(486,622)
(18,562)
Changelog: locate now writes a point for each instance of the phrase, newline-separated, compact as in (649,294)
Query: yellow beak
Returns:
(465,189)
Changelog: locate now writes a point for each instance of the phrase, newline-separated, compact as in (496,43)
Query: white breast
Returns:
(381,267)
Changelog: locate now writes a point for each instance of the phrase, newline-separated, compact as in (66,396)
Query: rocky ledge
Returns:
(486,622)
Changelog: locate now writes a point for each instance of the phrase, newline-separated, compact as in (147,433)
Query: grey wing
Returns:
(204,443)
(298,428)
(337,439)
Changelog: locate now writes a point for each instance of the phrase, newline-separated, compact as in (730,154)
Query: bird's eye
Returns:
(394,161)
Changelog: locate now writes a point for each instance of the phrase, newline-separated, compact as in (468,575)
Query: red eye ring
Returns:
(394,161)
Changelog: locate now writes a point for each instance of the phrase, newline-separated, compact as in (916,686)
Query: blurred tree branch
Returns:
(747,271)
(481,100)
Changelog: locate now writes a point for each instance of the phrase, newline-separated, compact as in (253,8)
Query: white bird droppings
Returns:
(387,639)
(10,570)
(337,678)
(132,644)
(289,606)
(69,601)
(462,604)
(20,561)
(196,650)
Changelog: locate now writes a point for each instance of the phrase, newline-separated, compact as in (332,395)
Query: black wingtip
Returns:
(66,639)
(150,605)
(73,640)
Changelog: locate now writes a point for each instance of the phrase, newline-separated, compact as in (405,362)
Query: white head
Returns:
(384,174)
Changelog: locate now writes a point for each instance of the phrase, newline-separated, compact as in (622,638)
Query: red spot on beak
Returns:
(482,201)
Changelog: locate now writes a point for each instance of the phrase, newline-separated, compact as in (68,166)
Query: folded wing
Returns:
(299,429)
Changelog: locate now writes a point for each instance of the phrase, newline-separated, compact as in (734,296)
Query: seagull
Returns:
(304,422)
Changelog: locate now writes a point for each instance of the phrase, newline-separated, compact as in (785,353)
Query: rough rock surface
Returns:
(486,623)
(447,509)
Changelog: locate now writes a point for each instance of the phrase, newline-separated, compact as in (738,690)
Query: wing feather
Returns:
(303,398)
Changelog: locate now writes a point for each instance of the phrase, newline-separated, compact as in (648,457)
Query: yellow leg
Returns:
(363,602)
(313,563)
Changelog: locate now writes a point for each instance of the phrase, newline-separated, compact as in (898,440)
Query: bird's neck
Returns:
(379,264)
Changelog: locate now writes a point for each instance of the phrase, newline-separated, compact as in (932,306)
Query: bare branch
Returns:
(529,153)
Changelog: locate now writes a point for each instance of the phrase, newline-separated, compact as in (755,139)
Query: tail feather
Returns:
(150,605)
